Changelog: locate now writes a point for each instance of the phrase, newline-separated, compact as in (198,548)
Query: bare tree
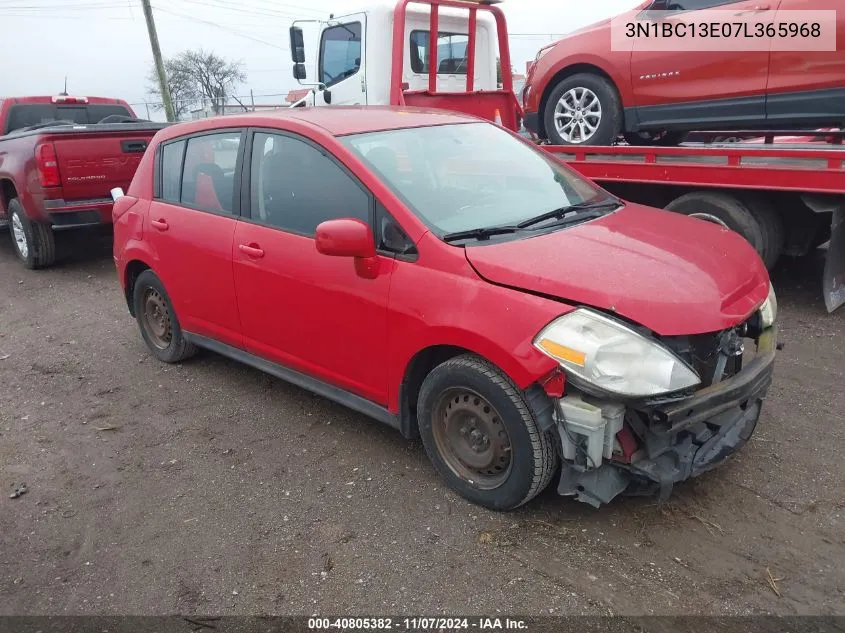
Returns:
(183,88)
(214,77)
(198,75)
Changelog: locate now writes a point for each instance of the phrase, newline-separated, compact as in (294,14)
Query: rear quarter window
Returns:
(171,170)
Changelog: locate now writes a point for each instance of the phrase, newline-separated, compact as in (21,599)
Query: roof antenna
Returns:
(64,93)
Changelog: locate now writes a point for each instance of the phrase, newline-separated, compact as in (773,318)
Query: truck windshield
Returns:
(469,176)
(24,115)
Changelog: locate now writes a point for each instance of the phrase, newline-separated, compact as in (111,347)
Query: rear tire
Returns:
(723,209)
(157,320)
(605,113)
(481,436)
(33,242)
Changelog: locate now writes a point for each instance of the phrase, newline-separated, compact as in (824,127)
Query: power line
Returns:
(241,10)
(220,26)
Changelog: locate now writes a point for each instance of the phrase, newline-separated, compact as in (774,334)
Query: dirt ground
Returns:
(209,487)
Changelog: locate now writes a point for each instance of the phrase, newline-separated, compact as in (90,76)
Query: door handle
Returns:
(251,250)
(757,9)
(161,225)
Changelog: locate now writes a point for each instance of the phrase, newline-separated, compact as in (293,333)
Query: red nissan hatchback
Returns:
(446,277)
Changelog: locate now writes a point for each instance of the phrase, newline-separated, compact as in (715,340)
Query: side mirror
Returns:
(297,45)
(349,237)
(327,96)
(299,72)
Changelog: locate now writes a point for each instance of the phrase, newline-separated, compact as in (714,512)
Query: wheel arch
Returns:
(131,272)
(568,71)
(421,363)
(8,191)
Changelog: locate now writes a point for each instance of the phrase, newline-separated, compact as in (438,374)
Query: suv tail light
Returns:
(48,165)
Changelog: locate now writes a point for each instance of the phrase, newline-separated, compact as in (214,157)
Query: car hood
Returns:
(673,274)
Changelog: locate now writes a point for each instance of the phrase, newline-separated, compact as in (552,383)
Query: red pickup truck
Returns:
(59,159)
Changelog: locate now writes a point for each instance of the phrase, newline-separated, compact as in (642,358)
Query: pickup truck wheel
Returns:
(157,320)
(481,436)
(725,210)
(34,243)
(583,109)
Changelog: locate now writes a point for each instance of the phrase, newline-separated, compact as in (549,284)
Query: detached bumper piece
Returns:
(676,441)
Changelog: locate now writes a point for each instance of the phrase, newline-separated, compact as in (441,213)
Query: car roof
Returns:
(336,120)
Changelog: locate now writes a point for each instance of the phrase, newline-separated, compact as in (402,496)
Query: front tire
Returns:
(34,242)
(157,320)
(583,109)
(481,436)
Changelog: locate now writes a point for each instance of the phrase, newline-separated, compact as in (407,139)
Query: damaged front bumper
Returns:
(678,440)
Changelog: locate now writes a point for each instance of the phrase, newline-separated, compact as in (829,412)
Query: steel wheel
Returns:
(472,439)
(578,115)
(20,236)
(156,319)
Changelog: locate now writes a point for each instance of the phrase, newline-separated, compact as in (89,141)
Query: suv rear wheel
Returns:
(34,243)
(157,320)
(481,436)
(583,109)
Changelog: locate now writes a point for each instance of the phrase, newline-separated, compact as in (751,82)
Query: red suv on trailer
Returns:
(444,276)
(580,91)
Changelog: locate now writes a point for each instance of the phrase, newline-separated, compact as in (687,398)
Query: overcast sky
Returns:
(103,48)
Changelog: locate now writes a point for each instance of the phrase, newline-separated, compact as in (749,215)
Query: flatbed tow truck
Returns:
(785,199)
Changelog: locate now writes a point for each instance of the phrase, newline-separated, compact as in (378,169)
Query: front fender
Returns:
(464,311)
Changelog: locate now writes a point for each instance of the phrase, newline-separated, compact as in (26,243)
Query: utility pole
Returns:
(159,64)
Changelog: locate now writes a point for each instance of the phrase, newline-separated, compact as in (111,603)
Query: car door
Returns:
(191,227)
(307,311)
(808,86)
(341,65)
(702,80)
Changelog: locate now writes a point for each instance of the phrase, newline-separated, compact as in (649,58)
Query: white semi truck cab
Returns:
(383,55)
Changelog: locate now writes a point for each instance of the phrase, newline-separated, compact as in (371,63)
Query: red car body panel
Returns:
(320,316)
(661,274)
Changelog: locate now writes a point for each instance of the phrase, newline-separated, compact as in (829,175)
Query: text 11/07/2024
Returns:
(417,624)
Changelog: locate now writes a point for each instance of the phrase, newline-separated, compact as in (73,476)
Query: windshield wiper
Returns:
(580,212)
(483,233)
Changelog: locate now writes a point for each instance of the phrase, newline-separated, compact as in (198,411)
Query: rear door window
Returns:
(208,174)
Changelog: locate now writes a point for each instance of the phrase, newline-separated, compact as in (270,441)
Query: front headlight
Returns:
(612,356)
(769,309)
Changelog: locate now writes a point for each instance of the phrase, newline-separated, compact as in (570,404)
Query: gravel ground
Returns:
(209,487)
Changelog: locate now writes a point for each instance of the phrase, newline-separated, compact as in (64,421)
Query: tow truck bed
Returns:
(790,190)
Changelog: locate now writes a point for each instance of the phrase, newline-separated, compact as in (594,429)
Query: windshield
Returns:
(469,176)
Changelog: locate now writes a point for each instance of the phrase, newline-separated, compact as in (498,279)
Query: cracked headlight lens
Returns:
(608,354)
